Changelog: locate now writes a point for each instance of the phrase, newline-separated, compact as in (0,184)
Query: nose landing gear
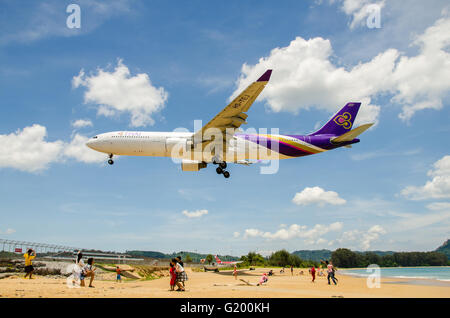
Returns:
(110,161)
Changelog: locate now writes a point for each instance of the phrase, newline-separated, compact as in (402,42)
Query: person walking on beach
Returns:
(292,270)
(313,274)
(181,275)
(119,274)
(29,256)
(173,275)
(235,272)
(330,271)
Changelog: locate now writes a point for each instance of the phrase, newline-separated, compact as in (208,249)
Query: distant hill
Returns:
(196,257)
(445,249)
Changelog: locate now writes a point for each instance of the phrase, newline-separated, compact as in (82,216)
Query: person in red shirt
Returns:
(313,274)
(173,276)
(119,274)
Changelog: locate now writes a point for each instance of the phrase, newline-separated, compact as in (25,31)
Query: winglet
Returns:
(265,77)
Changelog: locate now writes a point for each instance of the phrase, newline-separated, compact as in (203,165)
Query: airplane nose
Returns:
(90,143)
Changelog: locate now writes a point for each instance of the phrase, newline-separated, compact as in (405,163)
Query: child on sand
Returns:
(119,273)
(173,276)
(181,275)
(29,256)
(235,272)
(263,279)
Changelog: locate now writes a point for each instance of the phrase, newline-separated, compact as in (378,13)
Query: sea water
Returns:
(432,273)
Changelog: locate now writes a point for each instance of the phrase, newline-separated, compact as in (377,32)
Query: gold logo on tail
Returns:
(344,120)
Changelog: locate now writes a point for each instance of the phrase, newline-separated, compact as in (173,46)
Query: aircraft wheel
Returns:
(223,165)
(110,161)
(219,170)
(226,174)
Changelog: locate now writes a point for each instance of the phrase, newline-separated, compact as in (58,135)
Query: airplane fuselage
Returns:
(241,147)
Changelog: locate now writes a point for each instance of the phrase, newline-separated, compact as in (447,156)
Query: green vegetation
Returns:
(445,249)
(9,255)
(195,257)
(209,258)
(346,258)
(188,259)
(280,258)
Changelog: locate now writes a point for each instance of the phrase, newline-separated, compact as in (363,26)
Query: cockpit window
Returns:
(95,137)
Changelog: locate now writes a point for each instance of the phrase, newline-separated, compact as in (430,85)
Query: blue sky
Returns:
(393,187)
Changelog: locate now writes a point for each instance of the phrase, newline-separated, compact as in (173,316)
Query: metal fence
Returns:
(13,246)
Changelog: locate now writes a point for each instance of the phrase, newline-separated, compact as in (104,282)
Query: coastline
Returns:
(401,279)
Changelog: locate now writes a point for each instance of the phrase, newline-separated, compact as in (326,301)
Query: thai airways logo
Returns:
(344,120)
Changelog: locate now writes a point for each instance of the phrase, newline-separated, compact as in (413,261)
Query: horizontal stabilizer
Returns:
(352,134)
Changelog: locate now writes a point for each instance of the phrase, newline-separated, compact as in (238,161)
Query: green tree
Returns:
(209,258)
(188,258)
(280,258)
(253,259)
(343,257)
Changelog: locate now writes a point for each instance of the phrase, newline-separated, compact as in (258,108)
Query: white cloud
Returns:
(437,188)
(305,76)
(195,214)
(317,195)
(27,149)
(118,92)
(78,150)
(362,239)
(236,234)
(80,123)
(295,231)
(8,232)
(438,206)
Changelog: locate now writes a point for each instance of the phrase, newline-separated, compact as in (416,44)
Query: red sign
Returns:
(18,250)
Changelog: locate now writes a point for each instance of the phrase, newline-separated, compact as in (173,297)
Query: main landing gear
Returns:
(221,168)
(110,161)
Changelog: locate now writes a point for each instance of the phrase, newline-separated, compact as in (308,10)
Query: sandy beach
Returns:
(221,285)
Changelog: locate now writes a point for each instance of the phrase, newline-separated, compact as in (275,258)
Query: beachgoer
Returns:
(235,272)
(182,264)
(330,271)
(264,279)
(119,274)
(88,271)
(270,272)
(173,276)
(29,256)
(181,275)
(292,270)
(313,273)
(78,268)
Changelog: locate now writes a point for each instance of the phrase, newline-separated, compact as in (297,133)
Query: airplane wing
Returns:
(232,116)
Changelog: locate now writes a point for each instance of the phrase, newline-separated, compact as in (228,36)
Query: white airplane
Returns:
(219,141)
(224,263)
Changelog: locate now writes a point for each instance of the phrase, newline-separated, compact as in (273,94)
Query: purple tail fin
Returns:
(341,122)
